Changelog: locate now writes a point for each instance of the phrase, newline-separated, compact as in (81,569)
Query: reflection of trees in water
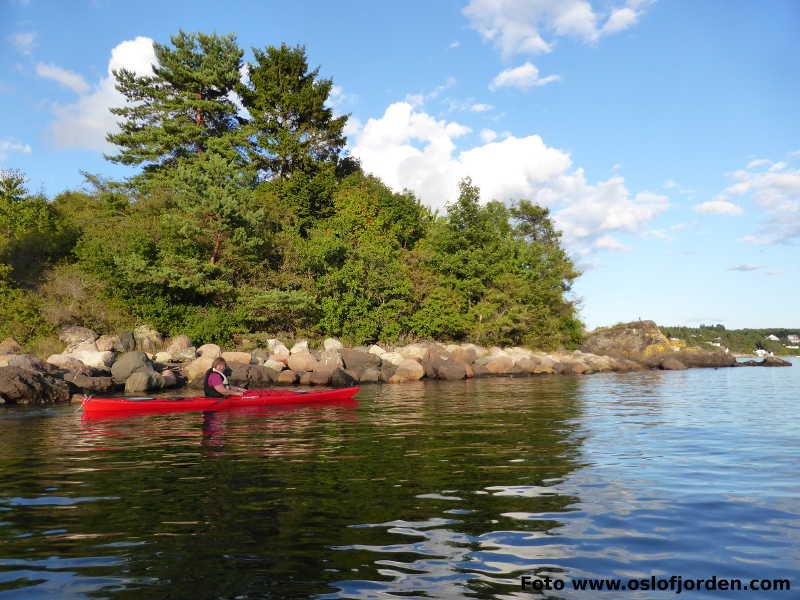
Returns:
(242,503)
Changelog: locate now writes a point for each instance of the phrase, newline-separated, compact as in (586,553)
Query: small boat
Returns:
(95,406)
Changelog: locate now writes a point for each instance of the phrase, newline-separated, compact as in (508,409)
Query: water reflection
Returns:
(436,490)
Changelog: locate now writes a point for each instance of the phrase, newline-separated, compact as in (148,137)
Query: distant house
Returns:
(793,339)
(773,337)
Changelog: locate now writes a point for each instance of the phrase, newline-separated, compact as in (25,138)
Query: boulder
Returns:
(108,343)
(774,361)
(185,355)
(127,341)
(28,362)
(463,354)
(299,347)
(332,344)
(672,364)
(237,357)
(93,358)
(9,346)
(450,371)
(65,362)
(305,378)
(280,353)
(275,365)
(178,343)
(73,335)
(144,381)
(369,375)
(286,377)
(330,360)
(499,364)
(129,363)
(526,365)
(302,361)
(4,358)
(376,350)
(394,358)
(418,352)
(320,378)
(209,351)
(196,369)
(340,378)
(163,357)
(87,383)
(259,357)
(359,360)
(147,339)
(387,371)
(479,370)
(20,386)
(409,370)
(251,376)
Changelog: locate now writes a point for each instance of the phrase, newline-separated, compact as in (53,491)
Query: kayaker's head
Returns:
(219,364)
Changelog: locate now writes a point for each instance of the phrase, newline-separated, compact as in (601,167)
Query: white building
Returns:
(773,337)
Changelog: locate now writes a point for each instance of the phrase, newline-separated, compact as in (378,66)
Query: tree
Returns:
(291,128)
(188,100)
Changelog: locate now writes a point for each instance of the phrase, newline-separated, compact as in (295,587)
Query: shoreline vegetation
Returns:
(246,214)
(142,361)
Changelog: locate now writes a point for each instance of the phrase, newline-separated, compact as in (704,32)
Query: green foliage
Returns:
(741,341)
(291,128)
(186,102)
(250,218)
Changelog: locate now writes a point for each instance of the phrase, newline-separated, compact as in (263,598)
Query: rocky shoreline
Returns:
(141,361)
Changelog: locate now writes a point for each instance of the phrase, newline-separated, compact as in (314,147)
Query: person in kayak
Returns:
(215,384)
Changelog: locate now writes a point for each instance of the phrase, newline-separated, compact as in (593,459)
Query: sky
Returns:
(664,136)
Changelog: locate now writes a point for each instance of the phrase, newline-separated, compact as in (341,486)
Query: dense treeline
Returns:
(743,341)
(247,215)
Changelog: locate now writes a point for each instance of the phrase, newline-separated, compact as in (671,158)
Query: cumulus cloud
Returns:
(516,26)
(745,268)
(68,79)
(479,107)
(8,146)
(454,44)
(23,41)
(776,193)
(85,123)
(523,77)
(718,207)
(411,149)
(488,135)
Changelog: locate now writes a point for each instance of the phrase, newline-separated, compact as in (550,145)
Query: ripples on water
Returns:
(436,490)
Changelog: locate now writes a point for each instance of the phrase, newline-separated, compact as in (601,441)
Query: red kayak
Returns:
(93,406)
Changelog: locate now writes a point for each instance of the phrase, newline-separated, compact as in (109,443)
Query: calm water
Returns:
(436,490)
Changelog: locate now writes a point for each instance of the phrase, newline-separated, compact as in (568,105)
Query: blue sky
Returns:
(664,136)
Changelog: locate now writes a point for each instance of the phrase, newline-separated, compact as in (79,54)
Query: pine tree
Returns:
(291,128)
(188,100)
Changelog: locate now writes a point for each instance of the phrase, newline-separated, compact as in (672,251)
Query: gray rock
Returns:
(147,339)
(20,386)
(129,363)
(358,360)
(340,378)
(178,343)
(126,341)
(672,364)
(144,381)
(73,335)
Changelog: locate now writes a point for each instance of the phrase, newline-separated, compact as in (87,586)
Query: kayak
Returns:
(93,406)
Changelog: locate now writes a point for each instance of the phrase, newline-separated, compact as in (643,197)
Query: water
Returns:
(435,490)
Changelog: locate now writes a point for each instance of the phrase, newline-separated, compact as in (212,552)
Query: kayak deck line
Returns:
(250,398)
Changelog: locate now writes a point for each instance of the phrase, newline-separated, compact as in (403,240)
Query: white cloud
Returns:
(352,127)
(670,183)
(516,26)
(488,135)
(338,96)
(523,77)
(481,107)
(68,79)
(607,242)
(411,149)
(85,123)
(455,44)
(758,162)
(23,41)
(422,98)
(718,207)
(777,193)
(745,268)
(8,146)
